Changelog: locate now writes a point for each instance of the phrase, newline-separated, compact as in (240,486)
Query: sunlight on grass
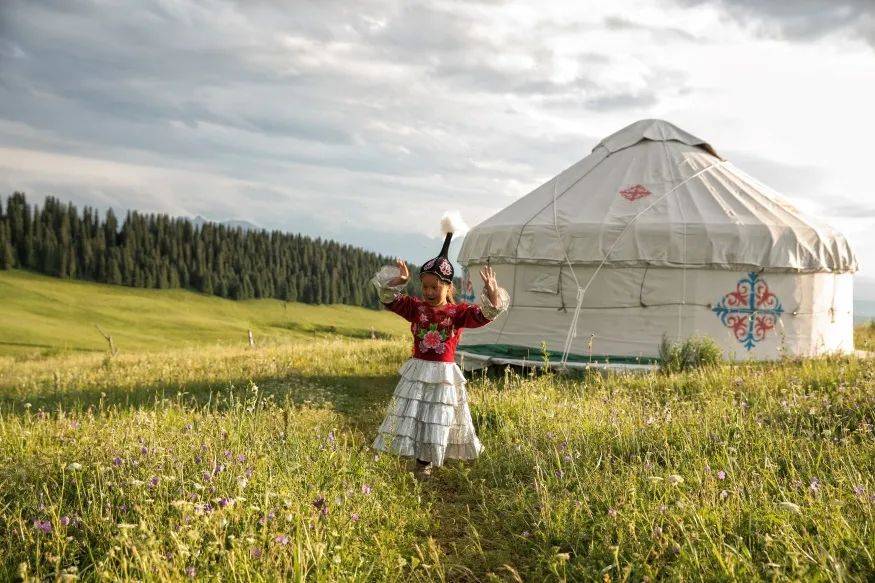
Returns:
(255,464)
(47,316)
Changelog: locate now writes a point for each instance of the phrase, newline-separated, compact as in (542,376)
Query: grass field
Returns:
(46,315)
(227,463)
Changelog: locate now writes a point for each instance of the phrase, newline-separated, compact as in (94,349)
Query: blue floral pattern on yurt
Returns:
(750,311)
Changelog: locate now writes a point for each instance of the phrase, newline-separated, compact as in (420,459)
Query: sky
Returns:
(364,121)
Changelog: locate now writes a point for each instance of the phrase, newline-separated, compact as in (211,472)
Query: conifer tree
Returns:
(149,250)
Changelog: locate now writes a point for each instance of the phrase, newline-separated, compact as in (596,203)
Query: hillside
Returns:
(156,251)
(43,314)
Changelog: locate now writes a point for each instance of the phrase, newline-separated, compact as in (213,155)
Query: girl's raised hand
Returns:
(489,282)
(403,276)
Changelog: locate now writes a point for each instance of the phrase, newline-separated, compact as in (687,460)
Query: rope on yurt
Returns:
(581,292)
(683,302)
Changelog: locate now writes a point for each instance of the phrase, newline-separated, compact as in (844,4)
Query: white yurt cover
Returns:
(654,209)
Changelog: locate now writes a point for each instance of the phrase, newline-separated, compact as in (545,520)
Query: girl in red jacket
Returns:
(428,417)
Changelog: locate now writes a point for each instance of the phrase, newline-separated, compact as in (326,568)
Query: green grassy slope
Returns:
(40,314)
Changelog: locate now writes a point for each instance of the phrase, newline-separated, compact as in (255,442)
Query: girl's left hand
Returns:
(489,282)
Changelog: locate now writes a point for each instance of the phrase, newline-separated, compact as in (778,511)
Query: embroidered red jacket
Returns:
(436,330)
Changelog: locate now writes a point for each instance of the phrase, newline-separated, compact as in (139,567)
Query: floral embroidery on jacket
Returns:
(434,337)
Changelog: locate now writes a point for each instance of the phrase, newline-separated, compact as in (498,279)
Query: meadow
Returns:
(44,315)
(240,464)
(225,462)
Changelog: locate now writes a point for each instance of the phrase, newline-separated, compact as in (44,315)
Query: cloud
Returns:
(255,92)
(802,20)
(360,120)
(614,22)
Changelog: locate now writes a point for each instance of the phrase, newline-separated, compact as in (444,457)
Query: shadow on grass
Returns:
(360,398)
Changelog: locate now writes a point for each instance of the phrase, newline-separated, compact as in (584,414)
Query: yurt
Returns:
(654,235)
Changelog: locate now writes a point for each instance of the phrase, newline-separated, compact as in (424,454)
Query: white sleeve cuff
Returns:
(491,311)
(380,281)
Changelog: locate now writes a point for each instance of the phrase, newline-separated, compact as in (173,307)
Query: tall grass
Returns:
(694,352)
(235,464)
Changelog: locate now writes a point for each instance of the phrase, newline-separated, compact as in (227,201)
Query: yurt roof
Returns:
(654,194)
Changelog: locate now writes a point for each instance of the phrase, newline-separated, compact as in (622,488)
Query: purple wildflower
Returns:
(330,437)
(190,572)
(74,424)
(567,458)
(366,489)
(319,503)
(354,517)
(43,525)
(65,520)
(255,553)
(721,475)
(241,458)
(116,461)
(560,473)
(269,516)
(282,539)
(144,450)
(198,459)
(612,512)
(154,481)
(526,534)
(228,454)
(223,502)
(814,485)
(859,491)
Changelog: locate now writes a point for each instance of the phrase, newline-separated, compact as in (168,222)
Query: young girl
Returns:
(428,417)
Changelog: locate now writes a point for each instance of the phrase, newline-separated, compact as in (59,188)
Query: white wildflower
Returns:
(795,508)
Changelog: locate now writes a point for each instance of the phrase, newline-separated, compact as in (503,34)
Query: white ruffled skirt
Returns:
(428,417)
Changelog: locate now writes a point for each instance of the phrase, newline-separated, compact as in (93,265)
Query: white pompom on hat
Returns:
(440,266)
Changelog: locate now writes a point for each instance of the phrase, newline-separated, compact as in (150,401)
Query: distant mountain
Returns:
(864,288)
(199,221)
(864,311)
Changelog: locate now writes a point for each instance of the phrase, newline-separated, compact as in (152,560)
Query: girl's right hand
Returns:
(402,277)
